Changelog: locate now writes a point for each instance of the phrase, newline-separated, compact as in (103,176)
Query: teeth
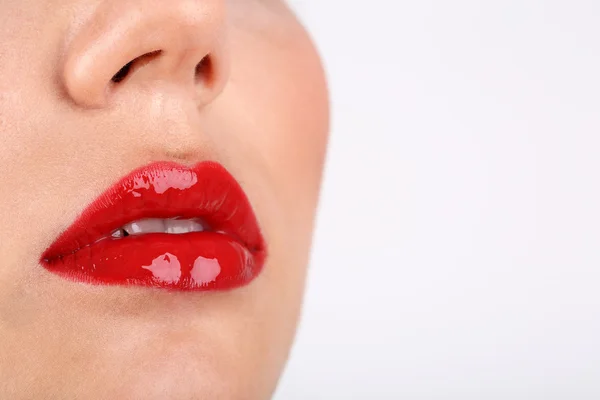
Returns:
(158,225)
(150,225)
(178,226)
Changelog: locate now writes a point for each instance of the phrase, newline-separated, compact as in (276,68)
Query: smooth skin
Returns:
(258,106)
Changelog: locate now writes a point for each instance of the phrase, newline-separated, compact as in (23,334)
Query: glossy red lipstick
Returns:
(164,225)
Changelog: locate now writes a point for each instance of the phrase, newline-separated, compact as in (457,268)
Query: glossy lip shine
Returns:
(229,254)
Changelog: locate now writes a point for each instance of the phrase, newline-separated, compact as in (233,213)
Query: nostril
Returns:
(204,70)
(136,63)
(123,72)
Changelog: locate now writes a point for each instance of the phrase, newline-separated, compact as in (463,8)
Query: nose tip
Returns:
(134,43)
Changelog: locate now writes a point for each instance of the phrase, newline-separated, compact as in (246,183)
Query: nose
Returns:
(127,45)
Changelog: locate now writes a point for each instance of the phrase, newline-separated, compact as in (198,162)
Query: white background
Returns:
(457,251)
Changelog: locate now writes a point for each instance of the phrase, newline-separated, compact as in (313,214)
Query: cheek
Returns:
(285,94)
(301,117)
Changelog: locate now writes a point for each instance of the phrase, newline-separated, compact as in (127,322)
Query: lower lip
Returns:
(196,261)
(192,261)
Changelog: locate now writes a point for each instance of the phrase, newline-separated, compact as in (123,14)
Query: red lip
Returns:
(228,255)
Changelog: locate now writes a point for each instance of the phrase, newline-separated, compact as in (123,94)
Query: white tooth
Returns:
(150,225)
(178,226)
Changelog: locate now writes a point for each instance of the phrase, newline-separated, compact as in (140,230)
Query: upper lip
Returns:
(196,196)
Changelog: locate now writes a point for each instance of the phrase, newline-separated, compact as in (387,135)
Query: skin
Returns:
(68,133)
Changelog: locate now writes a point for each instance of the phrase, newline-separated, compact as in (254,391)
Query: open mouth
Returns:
(164,225)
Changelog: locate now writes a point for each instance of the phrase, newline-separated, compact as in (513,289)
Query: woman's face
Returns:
(71,125)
